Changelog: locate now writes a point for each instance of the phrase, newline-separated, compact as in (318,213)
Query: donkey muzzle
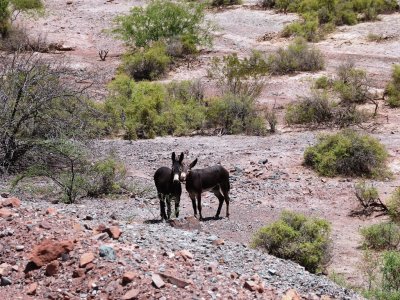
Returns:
(176,177)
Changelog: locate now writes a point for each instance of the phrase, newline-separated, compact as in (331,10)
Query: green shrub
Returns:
(307,29)
(239,77)
(323,83)
(186,90)
(393,205)
(299,56)
(225,2)
(148,64)
(4,18)
(383,236)
(267,3)
(316,109)
(236,114)
(163,20)
(393,88)
(391,272)
(302,239)
(352,84)
(347,153)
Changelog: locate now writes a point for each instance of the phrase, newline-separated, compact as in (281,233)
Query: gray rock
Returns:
(107,252)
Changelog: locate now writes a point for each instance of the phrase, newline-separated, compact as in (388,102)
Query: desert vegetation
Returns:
(393,88)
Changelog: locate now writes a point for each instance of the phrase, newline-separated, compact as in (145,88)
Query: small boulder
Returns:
(187,223)
(107,252)
(10,202)
(49,250)
(157,281)
(86,259)
(250,285)
(51,211)
(175,280)
(52,268)
(186,254)
(218,242)
(5,213)
(114,232)
(131,294)
(128,277)
(78,273)
(32,289)
(291,295)
(5,281)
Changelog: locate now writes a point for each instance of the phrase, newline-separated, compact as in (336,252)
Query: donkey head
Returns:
(186,169)
(177,167)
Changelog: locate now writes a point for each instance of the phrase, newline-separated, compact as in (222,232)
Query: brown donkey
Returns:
(214,179)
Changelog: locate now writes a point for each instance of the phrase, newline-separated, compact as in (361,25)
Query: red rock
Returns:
(45,225)
(5,213)
(90,266)
(250,285)
(186,254)
(187,223)
(48,250)
(114,232)
(78,273)
(52,268)
(157,281)
(101,228)
(131,294)
(291,295)
(174,280)
(218,242)
(128,277)
(51,211)
(32,289)
(86,259)
(10,202)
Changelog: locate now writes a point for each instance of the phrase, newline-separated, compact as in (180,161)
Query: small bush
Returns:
(299,56)
(186,90)
(347,153)
(267,3)
(239,77)
(302,239)
(236,114)
(393,88)
(352,84)
(317,109)
(393,205)
(148,64)
(383,236)
(307,29)
(323,83)
(163,20)
(391,272)
(225,2)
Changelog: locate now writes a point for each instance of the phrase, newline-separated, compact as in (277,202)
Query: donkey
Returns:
(168,186)
(214,179)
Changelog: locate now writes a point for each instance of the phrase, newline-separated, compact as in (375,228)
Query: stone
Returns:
(32,289)
(107,252)
(51,211)
(49,250)
(45,225)
(52,268)
(19,248)
(86,259)
(114,232)
(78,273)
(250,285)
(5,281)
(187,223)
(157,281)
(5,269)
(5,213)
(218,242)
(128,277)
(131,294)
(174,280)
(186,254)
(291,295)
(10,202)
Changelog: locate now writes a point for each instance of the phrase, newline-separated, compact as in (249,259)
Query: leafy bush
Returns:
(393,88)
(393,205)
(236,114)
(225,2)
(164,20)
(352,84)
(299,56)
(323,83)
(302,239)
(347,153)
(267,3)
(316,109)
(383,236)
(239,77)
(148,64)
(186,90)
(391,272)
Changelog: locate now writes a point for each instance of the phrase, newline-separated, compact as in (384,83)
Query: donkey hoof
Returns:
(217,217)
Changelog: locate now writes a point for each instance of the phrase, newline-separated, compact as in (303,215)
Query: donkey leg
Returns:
(193,198)
(199,205)
(177,201)
(162,206)
(226,196)
(168,207)
(221,201)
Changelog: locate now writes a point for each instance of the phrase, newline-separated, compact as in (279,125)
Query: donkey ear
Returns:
(173,156)
(193,163)
(181,157)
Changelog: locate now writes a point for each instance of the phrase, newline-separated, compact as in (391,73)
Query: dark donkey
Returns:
(169,186)
(214,179)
